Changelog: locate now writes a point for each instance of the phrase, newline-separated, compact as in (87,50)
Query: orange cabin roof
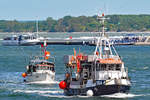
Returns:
(110,61)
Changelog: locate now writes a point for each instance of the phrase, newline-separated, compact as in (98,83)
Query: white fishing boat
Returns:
(101,73)
(41,69)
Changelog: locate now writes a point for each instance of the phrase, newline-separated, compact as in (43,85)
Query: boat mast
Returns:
(100,38)
(37,29)
(103,47)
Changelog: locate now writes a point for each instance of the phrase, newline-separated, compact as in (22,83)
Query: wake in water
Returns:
(39,91)
(120,95)
(43,82)
(46,93)
(17,85)
(116,95)
(56,93)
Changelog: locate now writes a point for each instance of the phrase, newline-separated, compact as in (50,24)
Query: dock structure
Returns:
(75,42)
(88,42)
(65,42)
(123,41)
(142,43)
(146,41)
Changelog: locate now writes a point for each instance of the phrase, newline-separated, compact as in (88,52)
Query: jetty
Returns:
(65,42)
(115,40)
(143,41)
(92,42)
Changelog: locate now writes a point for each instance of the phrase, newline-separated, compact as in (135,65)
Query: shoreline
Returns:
(123,32)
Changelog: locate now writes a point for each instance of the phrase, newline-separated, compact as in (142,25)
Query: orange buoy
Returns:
(62,85)
(24,75)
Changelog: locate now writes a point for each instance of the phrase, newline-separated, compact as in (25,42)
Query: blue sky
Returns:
(30,9)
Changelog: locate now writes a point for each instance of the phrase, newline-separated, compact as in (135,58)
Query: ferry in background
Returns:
(21,40)
(41,69)
(102,73)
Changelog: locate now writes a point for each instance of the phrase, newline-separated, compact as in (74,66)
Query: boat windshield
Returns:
(11,38)
(108,67)
(7,38)
(45,67)
(29,37)
(35,68)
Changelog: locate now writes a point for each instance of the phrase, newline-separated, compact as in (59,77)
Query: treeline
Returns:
(79,24)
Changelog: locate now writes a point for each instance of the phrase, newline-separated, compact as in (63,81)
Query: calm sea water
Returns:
(13,60)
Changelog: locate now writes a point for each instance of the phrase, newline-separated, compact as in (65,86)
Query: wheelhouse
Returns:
(36,65)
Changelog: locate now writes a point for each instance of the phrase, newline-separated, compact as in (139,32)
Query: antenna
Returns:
(102,21)
(105,9)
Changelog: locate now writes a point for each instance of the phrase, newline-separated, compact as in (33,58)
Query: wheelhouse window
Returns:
(7,38)
(26,38)
(15,38)
(44,67)
(97,67)
(111,67)
(103,67)
(34,37)
(52,69)
(118,67)
(108,67)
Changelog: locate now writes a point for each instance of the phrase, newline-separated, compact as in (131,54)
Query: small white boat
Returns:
(17,40)
(41,69)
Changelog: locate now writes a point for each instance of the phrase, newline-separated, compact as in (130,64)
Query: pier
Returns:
(65,42)
(117,41)
(77,42)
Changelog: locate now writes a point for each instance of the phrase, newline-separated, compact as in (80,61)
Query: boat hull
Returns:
(98,90)
(21,43)
(40,78)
